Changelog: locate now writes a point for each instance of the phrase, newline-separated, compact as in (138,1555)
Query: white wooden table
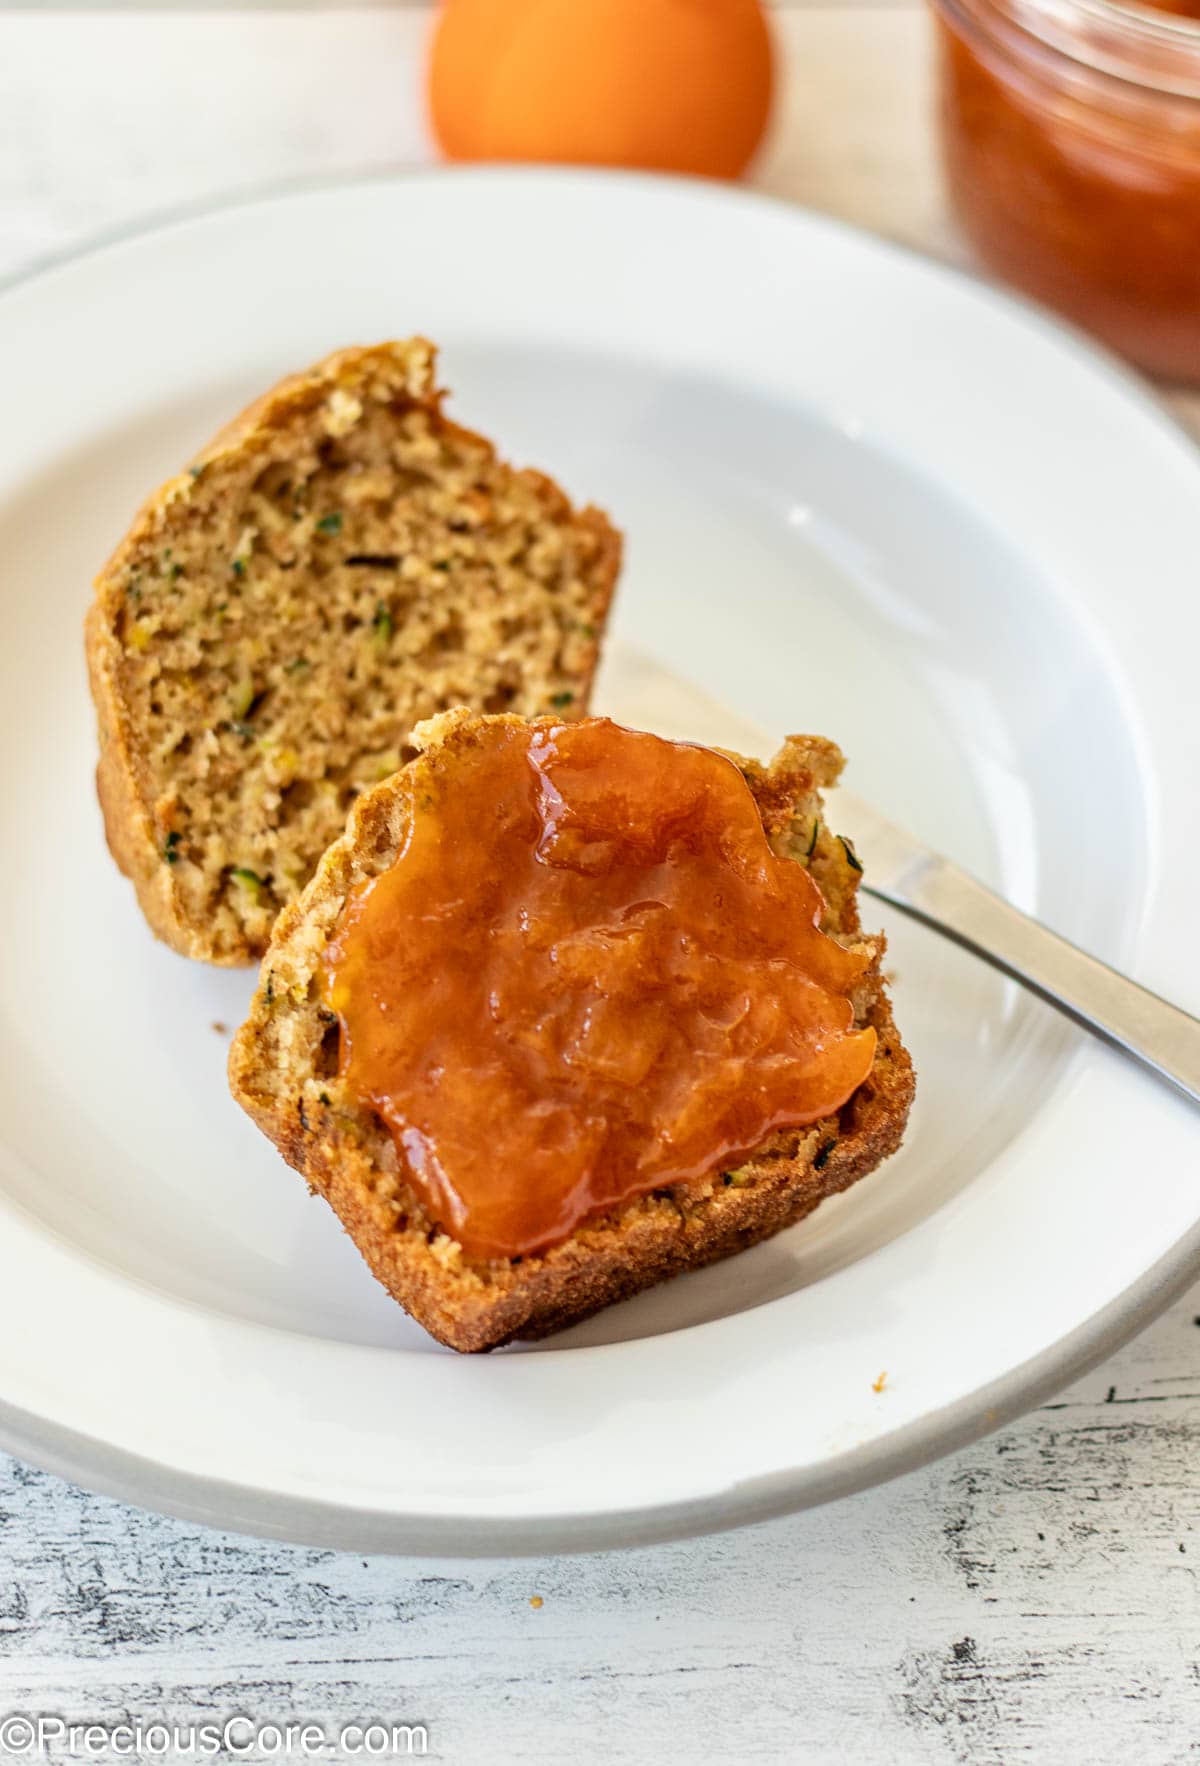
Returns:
(1034,1598)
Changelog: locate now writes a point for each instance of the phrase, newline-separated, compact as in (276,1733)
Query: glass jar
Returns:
(1071,144)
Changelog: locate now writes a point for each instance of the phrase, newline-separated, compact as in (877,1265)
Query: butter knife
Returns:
(898,869)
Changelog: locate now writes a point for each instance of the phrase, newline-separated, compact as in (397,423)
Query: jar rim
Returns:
(1124,40)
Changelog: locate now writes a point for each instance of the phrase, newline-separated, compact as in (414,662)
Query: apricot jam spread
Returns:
(586,975)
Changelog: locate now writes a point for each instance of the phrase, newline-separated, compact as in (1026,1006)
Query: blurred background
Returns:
(1053,143)
(107,112)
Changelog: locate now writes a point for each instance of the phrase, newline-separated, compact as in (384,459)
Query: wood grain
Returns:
(1033,1599)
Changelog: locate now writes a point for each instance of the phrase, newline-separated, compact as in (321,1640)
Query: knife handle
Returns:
(1160,1035)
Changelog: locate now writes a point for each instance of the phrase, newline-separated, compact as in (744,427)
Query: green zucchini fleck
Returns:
(383,625)
(170,844)
(812,844)
(250,881)
(852,858)
(244,697)
(330,523)
(560,700)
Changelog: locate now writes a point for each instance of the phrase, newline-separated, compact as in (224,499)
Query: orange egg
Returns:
(670,85)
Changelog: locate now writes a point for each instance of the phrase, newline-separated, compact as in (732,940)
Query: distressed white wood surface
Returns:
(1034,1598)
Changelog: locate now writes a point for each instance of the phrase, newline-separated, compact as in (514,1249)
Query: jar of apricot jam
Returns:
(1071,143)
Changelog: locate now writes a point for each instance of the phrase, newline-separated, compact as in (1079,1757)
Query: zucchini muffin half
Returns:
(286,1071)
(341,562)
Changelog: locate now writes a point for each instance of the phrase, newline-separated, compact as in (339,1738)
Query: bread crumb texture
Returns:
(284,1072)
(339,564)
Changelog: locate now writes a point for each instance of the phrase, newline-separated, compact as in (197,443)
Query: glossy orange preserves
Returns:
(586,975)
(1071,143)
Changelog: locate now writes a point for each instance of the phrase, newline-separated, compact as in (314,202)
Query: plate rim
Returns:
(121,1473)
(156,1487)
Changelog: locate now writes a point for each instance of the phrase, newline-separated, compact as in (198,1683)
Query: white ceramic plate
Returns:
(863,496)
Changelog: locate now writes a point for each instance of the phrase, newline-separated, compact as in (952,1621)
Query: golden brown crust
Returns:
(129,784)
(127,827)
(283,1072)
